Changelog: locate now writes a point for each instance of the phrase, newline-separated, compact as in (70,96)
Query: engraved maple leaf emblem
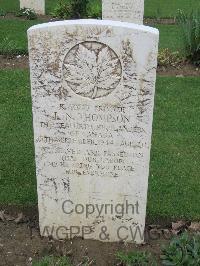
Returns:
(92,70)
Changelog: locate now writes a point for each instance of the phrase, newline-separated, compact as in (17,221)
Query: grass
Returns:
(174,177)
(16,33)
(17,168)
(136,258)
(170,36)
(53,261)
(168,8)
(9,5)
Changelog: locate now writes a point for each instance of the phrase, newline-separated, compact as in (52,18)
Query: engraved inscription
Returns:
(92,114)
(123,10)
(92,69)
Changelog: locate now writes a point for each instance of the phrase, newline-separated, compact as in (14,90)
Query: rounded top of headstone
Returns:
(94,22)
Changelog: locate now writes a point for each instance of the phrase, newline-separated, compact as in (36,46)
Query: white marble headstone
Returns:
(123,10)
(37,5)
(93,88)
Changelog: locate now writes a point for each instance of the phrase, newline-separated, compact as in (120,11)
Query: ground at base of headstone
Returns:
(21,243)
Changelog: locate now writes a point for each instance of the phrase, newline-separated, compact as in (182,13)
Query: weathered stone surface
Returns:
(123,10)
(37,5)
(93,94)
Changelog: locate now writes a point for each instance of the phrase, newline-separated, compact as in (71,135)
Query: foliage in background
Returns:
(190,26)
(168,58)
(182,251)
(2,13)
(93,8)
(27,12)
(79,8)
(53,261)
(63,9)
(136,258)
(67,9)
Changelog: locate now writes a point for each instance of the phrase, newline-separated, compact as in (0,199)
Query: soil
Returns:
(47,18)
(185,69)
(21,243)
(14,62)
(165,21)
(19,247)
(42,18)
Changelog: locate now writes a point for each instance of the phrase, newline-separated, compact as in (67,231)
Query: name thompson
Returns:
(98,210)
